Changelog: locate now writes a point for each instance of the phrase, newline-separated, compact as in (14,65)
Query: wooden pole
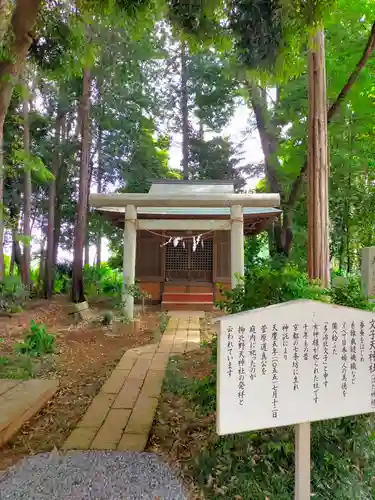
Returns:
(318,164)
(302,461)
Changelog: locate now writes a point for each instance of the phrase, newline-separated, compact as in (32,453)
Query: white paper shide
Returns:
(291,363)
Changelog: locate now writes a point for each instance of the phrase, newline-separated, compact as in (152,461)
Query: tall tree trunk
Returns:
(318,169)
(50,253)
(184,111)
(268,133)
(23,20)
(27,196)
(57,232)
(81,220)
(99,189)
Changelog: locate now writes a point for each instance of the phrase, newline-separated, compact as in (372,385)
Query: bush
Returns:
(13,294)
(102,280)
(347,291)
(267,284)
(37,341)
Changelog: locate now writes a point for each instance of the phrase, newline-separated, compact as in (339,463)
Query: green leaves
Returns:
(33,164)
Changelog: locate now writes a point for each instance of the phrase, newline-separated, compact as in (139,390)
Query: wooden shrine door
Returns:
(183,264)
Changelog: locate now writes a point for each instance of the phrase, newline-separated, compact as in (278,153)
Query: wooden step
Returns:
(187,306)
(187,288)
(188,297)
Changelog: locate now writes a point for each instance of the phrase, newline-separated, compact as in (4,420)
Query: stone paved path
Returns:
(121,415)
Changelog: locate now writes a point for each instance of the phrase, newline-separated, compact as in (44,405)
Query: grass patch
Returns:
(255,465)
(18,367)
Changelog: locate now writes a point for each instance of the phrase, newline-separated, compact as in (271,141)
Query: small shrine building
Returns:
(183,238)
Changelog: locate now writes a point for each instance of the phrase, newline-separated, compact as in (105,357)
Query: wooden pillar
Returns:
(318,164)
(237,244)
(130,242)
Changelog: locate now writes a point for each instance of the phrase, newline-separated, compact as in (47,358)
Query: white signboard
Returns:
(291,363)
(368,271)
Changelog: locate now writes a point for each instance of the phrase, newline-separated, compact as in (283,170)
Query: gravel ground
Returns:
(91,475)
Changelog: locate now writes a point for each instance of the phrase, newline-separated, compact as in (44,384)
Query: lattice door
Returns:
(182,264)
(201,262)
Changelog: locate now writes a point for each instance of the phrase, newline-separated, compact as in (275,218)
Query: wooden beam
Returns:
(193,200)
(183,225)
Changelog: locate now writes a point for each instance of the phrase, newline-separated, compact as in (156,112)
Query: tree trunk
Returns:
(318,171)
(99,189)
(22,24)
(184,111)
(57,233)
(16,251)
(27,196)
(81,220)
(50,253)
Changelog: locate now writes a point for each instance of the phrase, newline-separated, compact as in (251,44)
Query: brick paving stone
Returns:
(98,410)
(146,355)
(80,438)
(142,416)
(115,381)
(153,383)
(178,348)
(149,348)
(128,395)
(140,369)
(127,361)
(133,442)
(112,429)
(160,361)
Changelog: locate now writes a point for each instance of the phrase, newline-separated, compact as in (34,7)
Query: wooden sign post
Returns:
(302,461)
(292,364)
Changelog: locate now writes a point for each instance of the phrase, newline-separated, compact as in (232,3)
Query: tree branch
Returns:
(369,49)
(333,110)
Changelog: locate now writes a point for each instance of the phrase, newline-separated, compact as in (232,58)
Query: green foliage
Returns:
(107,318)
(260,465)
(215,159)
(37,341)
(270,283)
(258,28)
(17,367)
(102,281)
(164,320)
(349,293)
(13,294)
(33,164)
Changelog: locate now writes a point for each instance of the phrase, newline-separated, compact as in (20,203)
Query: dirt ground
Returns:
(85,356)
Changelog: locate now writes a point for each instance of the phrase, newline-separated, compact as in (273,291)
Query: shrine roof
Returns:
(194,211)
(195,187)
